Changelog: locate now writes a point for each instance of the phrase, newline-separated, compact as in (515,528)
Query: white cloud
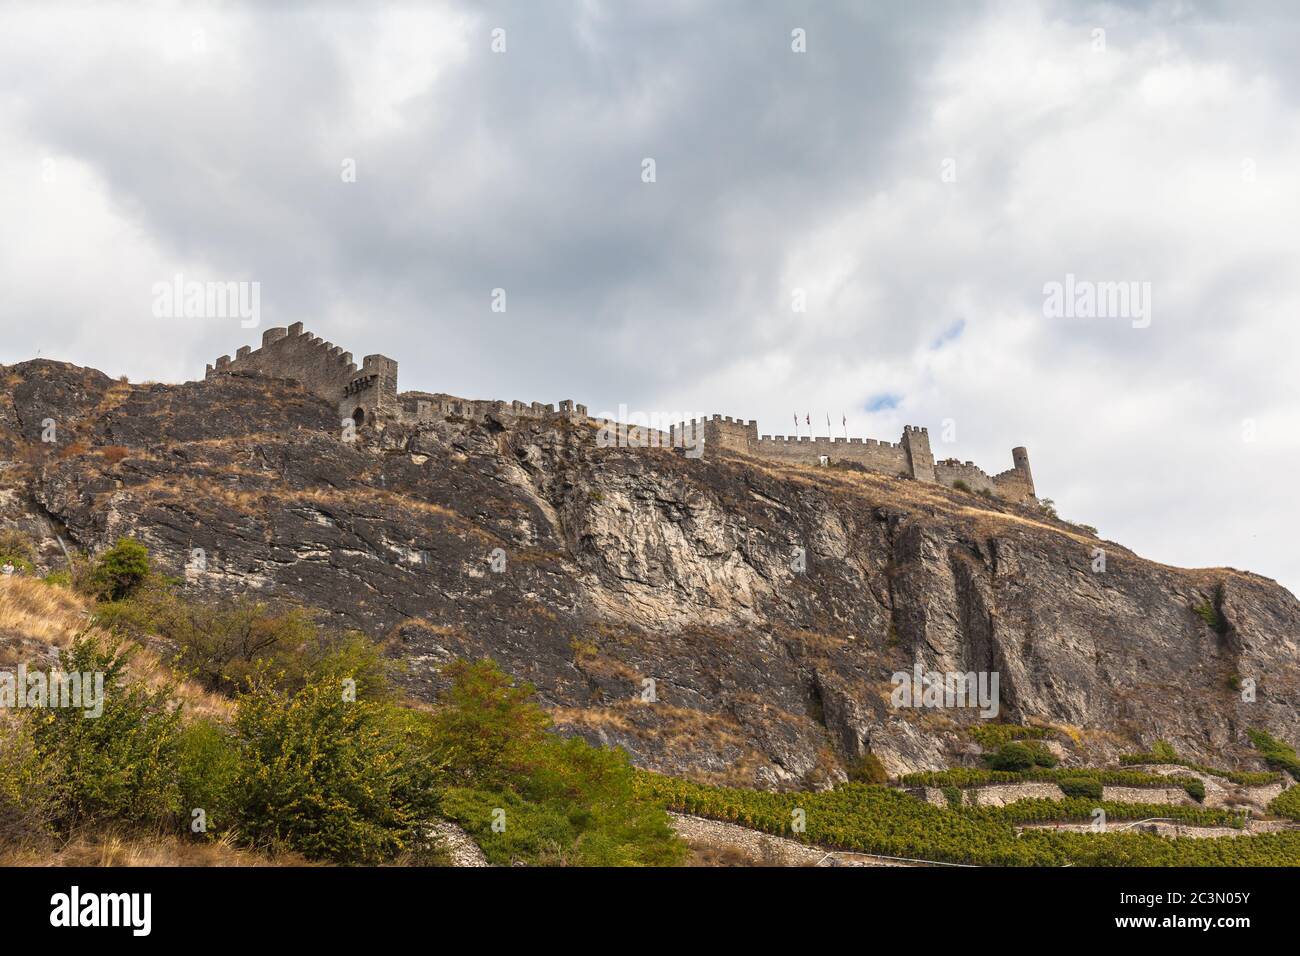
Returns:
(1170,158)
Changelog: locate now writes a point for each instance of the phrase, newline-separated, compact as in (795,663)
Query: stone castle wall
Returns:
(368,395)
(323,369)
(909,457)
(419,407)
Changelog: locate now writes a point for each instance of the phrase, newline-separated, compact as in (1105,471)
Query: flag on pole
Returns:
(828,424)
(796,424)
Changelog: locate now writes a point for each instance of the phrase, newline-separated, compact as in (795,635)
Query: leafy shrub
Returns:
(331,778)
(207,770)
(58,579)
(1080,787)
(1012,756)
(868,769)
(120,570)
(959,485)
(1210,611)
(995,735)
(1195,787)
(1042,756)
(1164,751)
(1020,756)
(119,766)
(25,807)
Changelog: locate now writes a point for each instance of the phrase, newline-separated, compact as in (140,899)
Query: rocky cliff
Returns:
(726,619)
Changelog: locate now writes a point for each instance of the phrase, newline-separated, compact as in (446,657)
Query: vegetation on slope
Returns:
(1275,752)
(1162,752)
(312,752)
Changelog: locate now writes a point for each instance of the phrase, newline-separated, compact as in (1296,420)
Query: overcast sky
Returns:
(916,176)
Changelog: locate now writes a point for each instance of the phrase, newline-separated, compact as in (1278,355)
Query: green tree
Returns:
(120,570)
(486,728)
(564,801)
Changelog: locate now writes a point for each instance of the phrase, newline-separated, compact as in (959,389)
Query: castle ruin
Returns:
(368,396)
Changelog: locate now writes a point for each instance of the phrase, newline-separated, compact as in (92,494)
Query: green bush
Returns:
(119,766)
(991,736)
(347,781)
(1042,756)
(120,570)
(1080,787)
(1210,611)
(207,771)
(1019,756)
(868,769)
(1164,751)
(26,809)
(1195,787)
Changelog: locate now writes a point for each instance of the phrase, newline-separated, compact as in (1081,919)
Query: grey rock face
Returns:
(722,618)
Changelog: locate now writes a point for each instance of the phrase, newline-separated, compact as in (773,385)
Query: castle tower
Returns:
(724,434)
(371,395)
(1020,458)
(916,442)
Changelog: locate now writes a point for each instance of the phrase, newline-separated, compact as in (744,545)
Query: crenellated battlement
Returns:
(910,456)
(368,396)
(363,394)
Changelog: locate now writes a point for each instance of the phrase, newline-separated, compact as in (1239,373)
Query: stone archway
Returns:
(359,416)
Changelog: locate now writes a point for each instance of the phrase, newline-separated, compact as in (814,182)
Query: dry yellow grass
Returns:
(35,613)
(132,848)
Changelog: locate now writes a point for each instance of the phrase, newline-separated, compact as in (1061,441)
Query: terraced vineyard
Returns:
(882,820)
(964,777)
